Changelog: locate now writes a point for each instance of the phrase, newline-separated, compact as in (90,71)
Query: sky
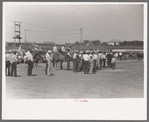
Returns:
(61,23)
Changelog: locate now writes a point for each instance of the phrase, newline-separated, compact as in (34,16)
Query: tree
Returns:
(96,42)
(85,41)
(77,43)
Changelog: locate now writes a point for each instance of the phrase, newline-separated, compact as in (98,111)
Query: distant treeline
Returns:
(98,42)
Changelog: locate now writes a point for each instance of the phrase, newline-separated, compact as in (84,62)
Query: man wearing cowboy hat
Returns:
(49,64)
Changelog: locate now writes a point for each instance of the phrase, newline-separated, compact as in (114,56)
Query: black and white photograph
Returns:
(80,61)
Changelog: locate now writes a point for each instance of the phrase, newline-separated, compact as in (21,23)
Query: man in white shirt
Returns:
(98,59)
(75,61)
(80,61)
(95,57)
(13,61)
(49,63)
(120,55)
(7,60)
(20,50)
(63,49)
(116,55)
(104,59)
(86,59)
(55,48)
(29,58)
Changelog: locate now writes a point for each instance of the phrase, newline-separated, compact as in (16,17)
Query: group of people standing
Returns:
(11,60)
(90,61)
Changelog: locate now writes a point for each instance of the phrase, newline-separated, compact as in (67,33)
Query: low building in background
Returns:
(114,42)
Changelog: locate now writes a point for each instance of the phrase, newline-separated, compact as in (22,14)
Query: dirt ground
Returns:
(126,81)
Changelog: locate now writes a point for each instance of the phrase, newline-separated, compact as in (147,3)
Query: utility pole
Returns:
(25,37)
(17,32)
(80,37)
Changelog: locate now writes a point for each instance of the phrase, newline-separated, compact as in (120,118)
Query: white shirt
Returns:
(36,49)
(55,49)
(104,56)
(100,55)
(86,57)
(13,58)
(116,54)
(20,49)
(120,53)
(68,54)
(75,56)
(80,55)
(95,56)
(113,60)
(63,49)
(48,57)
(90,55)
(7,57)
(29,56)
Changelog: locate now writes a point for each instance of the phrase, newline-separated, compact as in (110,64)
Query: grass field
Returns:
(126,81)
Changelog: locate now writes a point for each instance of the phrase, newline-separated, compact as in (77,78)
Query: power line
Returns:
(49,27)
(51,33)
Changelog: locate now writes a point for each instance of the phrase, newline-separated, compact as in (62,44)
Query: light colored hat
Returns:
(49,51)
(21,45)
(81,52)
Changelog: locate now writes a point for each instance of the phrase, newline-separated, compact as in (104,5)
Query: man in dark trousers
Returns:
(7,60)
(68,59)
(30,63)
(47,64)
(104,59)
(13,61)
(86,59)
(109,58)
(75,61)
